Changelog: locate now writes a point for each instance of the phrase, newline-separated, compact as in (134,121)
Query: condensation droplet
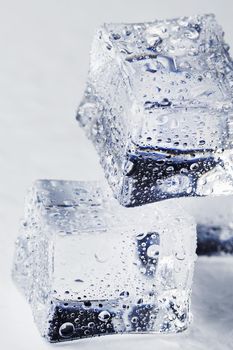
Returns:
(101,257)
(134,319)
(124,294)
(201,142)
(129,167)
(192,33)
(140,236)
(116,36)
(104,316)
(180,255)
(91,325)
(153,251)
(194,166)
(66,330)
(78,280)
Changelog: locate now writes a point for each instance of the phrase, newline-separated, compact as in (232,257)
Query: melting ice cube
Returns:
(214,217)
(89,266)
(158,107)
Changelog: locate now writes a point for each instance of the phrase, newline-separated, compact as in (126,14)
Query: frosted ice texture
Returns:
(158,107)
(214,218)
(89,266)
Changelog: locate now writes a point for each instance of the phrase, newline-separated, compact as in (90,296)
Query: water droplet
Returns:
(165,103)
(91,325)
(116,36)
(192,33)
(128,32)
(175,184)
(129,168)
(66,330)
(161,119)
(167,62)
(153,251)
(141,236)
(78,280)
(180,255)
(170,169)
(183,22)
(109,47)
(104,316)
(194,166)
(156,31)
(68,203)
(101,257)
(150,67)
(124,294)
(87,303)
(134,319)
(201,142)
(143,270)
(154,41)
(155,104)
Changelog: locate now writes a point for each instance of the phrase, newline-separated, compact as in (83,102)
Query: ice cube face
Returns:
(158,107)
(89,266)
(214,218)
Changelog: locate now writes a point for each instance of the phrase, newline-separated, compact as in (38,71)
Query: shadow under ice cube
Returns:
(214,218)
(89,266)
(158,107)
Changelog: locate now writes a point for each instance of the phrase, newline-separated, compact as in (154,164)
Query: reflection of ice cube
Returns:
(158,108)
(214,217)
(90,266)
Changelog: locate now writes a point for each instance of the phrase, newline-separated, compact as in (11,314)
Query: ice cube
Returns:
(158,107)
(89,266)
(214,218)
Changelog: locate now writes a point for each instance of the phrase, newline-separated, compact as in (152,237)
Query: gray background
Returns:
(43,66)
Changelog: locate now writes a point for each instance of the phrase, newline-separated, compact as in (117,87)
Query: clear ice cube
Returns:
(89,266)
(214,218)
(158,107)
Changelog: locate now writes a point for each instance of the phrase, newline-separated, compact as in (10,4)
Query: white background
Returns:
(43,66)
